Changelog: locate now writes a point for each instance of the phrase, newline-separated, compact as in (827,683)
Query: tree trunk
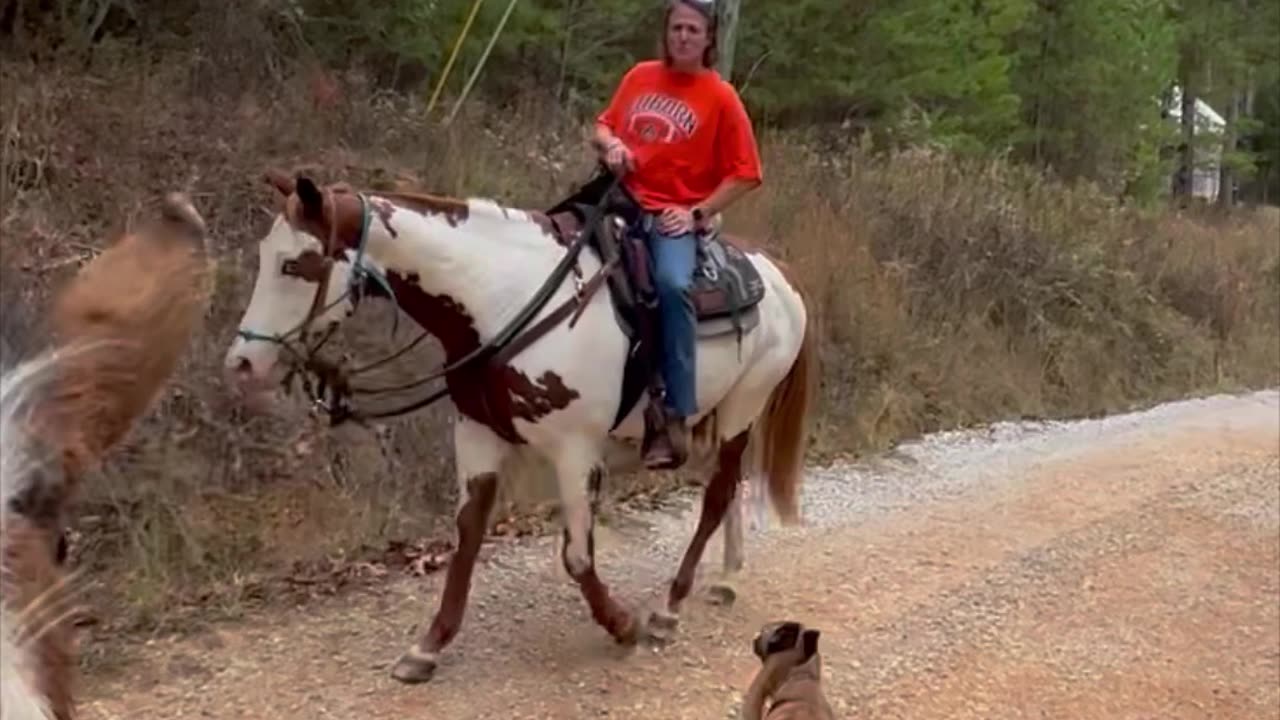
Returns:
(1251,143)
(1185,182)
(1039,112)
(1226,174)
(1240,79)
(728,36)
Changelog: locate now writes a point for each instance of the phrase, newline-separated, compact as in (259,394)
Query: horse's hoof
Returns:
(662,626)
(415,667)
(630,635)
(722,593)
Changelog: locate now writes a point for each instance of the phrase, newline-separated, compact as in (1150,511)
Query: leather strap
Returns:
(571,308)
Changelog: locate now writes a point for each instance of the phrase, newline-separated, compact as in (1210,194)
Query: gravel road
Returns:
(1126,567)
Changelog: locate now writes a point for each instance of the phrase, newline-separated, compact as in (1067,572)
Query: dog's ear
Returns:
(809,642)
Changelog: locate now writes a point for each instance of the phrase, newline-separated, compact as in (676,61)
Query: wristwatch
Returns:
(698,215)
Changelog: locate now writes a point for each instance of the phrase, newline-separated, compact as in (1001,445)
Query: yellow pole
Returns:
(466,90)
(462,35)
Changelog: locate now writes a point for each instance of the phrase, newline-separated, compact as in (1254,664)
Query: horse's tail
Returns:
(782,433)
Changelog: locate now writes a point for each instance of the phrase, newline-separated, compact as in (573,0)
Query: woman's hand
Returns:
(617,157)
(676,221)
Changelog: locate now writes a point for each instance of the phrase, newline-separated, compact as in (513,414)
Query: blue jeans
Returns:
(674,262)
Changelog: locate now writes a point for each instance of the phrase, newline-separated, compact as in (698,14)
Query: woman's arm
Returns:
(728,193)
(603,137)
(739,156)
(612,151)
(676,220)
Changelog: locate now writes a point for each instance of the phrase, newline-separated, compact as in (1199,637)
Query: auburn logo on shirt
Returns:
(659,118)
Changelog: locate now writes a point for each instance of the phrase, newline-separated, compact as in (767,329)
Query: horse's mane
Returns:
(481,206)
(457,211)
(404,195)
(423,199)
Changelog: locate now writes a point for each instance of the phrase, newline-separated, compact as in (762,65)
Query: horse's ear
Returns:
(809,642)
(280,181)
(311,197)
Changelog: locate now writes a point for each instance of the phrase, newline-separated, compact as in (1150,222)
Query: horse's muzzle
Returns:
(251,383)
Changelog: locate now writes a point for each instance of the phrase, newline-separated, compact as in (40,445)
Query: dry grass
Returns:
(957,294)
(948,295)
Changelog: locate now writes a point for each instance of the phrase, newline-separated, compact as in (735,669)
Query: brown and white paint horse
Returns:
(462,269)
(120,327)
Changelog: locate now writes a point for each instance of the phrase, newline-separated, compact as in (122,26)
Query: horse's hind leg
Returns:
(723,591)
(717,501)
(579,474)
(479,455)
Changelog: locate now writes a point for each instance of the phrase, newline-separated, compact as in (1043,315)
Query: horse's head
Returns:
(303,288)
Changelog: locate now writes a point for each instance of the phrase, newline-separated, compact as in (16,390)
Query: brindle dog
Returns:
(790,675)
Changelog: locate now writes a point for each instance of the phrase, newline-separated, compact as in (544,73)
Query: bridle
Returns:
(328,384)
(305,361)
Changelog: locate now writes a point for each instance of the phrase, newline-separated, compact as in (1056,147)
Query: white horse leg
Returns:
(580,473)
(723,591)
(479,454)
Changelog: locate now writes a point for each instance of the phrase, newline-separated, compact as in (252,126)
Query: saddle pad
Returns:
(726,280)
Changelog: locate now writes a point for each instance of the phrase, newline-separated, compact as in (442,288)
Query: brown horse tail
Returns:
(783,431)
(124,321)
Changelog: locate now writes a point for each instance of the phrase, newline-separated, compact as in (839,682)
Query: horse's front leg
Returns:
(580,473)
(479,453)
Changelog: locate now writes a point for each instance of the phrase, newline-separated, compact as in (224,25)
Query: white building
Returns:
(1208,157)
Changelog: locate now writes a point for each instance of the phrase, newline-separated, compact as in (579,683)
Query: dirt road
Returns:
(1121,568)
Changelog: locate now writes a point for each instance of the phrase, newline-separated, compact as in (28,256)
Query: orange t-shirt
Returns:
(686,132)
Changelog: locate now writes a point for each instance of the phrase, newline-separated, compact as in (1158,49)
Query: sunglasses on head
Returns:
(706,6)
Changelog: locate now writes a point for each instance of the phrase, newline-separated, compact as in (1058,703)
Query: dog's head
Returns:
(786,635)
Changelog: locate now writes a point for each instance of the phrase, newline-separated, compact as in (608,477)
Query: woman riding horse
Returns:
(680,138)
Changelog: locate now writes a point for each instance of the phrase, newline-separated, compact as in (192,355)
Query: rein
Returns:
(334,378)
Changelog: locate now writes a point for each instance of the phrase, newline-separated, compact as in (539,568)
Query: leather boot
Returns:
(671,438)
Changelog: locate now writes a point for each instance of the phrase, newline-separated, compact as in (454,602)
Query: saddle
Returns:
(726,291)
